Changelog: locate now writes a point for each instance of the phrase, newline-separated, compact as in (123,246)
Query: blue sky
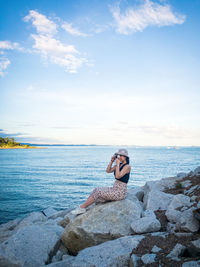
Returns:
(100,72)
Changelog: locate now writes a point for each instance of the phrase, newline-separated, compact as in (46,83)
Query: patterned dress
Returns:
(117,192)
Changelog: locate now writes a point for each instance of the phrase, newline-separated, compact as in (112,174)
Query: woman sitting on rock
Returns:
(118,191)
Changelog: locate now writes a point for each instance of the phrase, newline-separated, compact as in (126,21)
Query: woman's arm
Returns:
(109,168)
(119,174)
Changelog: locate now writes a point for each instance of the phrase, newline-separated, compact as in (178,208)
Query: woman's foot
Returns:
(78,211)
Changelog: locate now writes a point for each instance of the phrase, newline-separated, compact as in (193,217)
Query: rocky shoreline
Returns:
(156,225)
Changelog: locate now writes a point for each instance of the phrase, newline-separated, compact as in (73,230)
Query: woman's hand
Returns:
(113,158)
(117,161)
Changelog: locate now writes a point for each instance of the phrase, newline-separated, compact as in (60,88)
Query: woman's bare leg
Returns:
(88,202)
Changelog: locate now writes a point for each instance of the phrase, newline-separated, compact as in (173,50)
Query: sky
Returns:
(100,72)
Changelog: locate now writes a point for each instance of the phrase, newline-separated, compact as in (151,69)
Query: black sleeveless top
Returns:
(124,178)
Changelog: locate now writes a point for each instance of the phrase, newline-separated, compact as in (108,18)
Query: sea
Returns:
(62,177)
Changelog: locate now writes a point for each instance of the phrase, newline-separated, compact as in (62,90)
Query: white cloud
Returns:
(4,62)
(7,45)
(147,14)
(51,48)
(73,31)
(42,24)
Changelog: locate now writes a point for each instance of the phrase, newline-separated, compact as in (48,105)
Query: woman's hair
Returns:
(127,160)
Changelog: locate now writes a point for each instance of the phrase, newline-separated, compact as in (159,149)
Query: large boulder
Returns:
(30,246)
(157,200)
(101,223)
(184,221)
(178,201)
(115,253)
(146,225)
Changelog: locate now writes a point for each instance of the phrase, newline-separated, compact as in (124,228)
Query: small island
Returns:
(9,143)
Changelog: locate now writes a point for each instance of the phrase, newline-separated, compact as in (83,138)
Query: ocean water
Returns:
(62,177)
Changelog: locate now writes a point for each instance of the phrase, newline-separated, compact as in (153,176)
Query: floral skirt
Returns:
(117,192)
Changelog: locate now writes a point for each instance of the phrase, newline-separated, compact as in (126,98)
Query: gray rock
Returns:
(137,192)
(146,225)
(173,215)
(197,171)
(178,201)
(188,221)
(32,218)
(171,227)
(115,253)
(148,258)
(157,200)
(191,173)
(134,261)
(155,249)
(191,190)
(101,223)
(184,220)
(160,234)
(31,246)
(191,264)
(149,213)
(58,256)
(183,234)
(193,198)
(8,229)
(182,175)
(186,183)
(194,248)
(61,213)
(49,212)
(68,262)
(9,226)
(177,251)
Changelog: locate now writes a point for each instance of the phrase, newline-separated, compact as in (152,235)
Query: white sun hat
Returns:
(122,152)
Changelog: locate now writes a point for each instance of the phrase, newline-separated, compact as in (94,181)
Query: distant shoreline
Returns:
(19,147)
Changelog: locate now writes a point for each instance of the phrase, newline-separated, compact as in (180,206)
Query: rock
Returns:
(191,190)
(156,249)
(183,234)
(184,220)
(49,212)
(101,223)
(9,226)
(61,213)
(194,248)
(191,264)
(186,183)
(149,213)
(182,175)
(65,263)
(173,215)
(171,228)
(177,251)
(115,253)
(188,221)
(137,192)
(191,173)
(8,229)
(178,201)
(196,213)
(197,171)
(148,258)
(33,217)
(157,200)
(160,185)
(160,234)
(134,261)
(31,246)
(57,257)
(146,225)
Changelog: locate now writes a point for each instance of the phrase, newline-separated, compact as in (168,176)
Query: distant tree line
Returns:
(8,141)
